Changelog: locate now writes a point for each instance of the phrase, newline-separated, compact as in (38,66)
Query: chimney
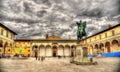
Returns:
(109,25)
(46,36)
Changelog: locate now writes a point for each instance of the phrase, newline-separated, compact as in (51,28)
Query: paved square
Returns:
(58,65)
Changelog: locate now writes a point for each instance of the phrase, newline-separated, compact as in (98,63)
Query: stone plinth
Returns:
(82,56)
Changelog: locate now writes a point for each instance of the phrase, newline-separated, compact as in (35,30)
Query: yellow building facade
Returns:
(107,41)
(50,47)
(6,40)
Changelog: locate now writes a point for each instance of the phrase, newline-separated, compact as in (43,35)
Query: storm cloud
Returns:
(36,18)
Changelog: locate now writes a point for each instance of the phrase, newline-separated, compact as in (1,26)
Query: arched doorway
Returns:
(67,50)
(35,50)
(107,46)
(1,46)
(115,45)
(54,51)
(85,52)
(61,50)
(42,50)
(96,51)
(91,49)
(73,48)
(101,47)
(8,48)
(48,50)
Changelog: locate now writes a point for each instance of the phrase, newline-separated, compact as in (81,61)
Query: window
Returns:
(100,36)
(1,32)
(11,36)
(7,34)
(95,38)
(113,33)
(90,40)
(106,35)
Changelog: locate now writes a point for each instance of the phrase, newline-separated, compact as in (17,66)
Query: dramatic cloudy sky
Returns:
(36,18)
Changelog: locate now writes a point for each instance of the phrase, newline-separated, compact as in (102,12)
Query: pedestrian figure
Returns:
(0,56)
(91,59)
(72,59)
(36,55)
(42,58)
(39,57)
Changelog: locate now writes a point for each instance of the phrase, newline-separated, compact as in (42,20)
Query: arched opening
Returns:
(35,50)
(1,45)
(61,50)
(5,47)
(48,50)
(115,45)
(91,49)
(85,52)
(107,46)
(48,46)
(73,49)
(42,50)
(8,48)
(54,51)
(96,51)
(101,47)
(67,50)
(41,46)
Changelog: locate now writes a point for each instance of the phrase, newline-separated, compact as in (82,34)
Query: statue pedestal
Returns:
(82,56)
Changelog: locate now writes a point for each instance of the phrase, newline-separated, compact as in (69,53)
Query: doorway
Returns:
(107,45)
(54,51)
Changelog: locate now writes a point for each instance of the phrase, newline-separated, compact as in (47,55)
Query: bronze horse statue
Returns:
(81,30)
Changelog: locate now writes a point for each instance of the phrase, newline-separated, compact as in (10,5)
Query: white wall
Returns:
(67,51)
(60,51)
(48,51)
(42,51)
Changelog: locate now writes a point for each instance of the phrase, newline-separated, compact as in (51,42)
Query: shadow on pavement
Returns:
(1,70)
(118,69)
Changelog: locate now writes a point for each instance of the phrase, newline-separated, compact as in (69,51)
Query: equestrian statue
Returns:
(81,30)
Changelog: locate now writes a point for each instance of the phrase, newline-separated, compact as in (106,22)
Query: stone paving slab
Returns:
(58,65)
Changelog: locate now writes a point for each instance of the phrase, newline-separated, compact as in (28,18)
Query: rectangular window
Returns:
(106,35)
(113,33)
(11,36)
(7,34)
(100,36)
(95,38)
(1,32)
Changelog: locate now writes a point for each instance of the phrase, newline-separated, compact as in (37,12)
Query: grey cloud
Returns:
(92,13)
(28,8)
(46,2)
(38,17)
(41,13)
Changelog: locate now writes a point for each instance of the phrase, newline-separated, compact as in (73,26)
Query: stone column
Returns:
(63,52)
(70,51)
(13,46)
(4,48)
(45,51)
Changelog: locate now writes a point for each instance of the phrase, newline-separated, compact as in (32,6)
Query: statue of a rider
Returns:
(81,30)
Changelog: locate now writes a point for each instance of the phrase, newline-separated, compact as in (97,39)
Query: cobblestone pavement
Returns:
(58,65)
